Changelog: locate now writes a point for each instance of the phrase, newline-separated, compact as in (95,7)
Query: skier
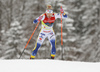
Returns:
(47,20)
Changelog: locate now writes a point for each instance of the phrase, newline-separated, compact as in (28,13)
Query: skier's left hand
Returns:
(61,10)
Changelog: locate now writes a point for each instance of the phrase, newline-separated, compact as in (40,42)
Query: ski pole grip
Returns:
(61,10)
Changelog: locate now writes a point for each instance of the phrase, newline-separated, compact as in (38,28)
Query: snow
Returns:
(2,31)
(15,23)
(69,25)
(69,20)
(71,39)
(10,50)
(47,66)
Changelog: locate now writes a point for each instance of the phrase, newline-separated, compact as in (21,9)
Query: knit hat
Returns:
(49,7)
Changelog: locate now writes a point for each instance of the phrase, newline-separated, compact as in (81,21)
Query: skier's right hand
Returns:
(35,21)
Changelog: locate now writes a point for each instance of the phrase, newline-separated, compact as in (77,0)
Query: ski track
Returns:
(46,65)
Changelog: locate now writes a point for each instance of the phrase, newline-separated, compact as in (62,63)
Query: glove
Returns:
(35,21)
(61,10)
(40,18)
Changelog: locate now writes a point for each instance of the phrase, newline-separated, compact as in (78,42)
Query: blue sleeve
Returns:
(35,21)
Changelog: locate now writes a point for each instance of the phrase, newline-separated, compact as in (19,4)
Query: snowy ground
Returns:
(47,66)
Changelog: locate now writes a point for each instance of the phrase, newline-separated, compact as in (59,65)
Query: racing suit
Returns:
(47,31)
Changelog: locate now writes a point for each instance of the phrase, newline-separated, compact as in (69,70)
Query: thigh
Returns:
(52,39)
(41,37)
(51,36)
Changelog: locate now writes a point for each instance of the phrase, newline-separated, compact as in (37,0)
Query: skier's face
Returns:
(49,14)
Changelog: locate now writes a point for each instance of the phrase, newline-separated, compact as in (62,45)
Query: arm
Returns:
(41,17)
(57,15)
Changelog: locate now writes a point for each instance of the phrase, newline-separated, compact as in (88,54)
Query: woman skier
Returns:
(47,20)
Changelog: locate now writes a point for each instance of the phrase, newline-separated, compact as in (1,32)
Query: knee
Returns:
(37,46)
(53,42)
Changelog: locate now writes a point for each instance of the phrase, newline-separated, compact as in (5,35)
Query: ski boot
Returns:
(52,57)
(32,57)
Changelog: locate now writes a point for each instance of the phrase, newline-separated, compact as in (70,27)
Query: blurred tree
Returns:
(11,12)
(0,19)
(81,30)
(14,41)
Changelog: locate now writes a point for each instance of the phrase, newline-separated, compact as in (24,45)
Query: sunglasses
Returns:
(49,11)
